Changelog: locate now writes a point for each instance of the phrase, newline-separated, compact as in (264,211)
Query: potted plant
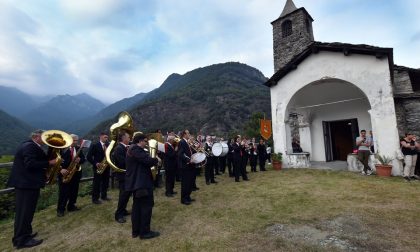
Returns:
(277,160)
(383,167)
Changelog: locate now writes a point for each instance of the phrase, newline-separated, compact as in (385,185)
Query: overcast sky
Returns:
(112,49)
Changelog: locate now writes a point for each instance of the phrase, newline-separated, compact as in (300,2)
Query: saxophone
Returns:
(102,166)
(73,168)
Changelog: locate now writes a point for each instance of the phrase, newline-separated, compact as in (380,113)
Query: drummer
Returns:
(210,165)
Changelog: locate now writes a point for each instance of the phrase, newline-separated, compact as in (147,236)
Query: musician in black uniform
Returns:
(262,154)
(67,195)
(139,181)
(118,156)
(230,158)
(222,161)
(211,162)
(95,156)
(186,167)
(238,154)
(170,164)
(27,177)
(253,155)
(245,154)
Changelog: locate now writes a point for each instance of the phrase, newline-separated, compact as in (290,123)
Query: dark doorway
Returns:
(339,138)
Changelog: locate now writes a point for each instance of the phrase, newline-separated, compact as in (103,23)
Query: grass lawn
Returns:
(288,210)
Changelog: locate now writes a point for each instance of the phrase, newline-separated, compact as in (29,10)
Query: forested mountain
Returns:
(62,110)
(216,99)
(12,132)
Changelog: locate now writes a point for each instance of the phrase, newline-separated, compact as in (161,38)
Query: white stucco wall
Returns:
(369,74)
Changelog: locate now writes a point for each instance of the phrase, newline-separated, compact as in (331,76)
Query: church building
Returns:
(325,93)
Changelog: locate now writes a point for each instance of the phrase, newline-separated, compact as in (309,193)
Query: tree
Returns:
(252,127)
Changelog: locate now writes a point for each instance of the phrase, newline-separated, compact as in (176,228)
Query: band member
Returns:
(262,154)
(211,162)
(27,177)
(253,155)
(118,157)
(222,161)
(170,164)
(196,170)
(67,195)
(95,156)
(230,157)
(139,182)
(245,154)
(237,160)
(186,167)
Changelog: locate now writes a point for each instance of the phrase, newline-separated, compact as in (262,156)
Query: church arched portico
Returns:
(330,86)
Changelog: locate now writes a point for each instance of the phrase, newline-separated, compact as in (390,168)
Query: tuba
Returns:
(56,140)
(125,122)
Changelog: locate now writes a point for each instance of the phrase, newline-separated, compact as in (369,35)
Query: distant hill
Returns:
(12,132)
(15,102)
(216,99)
(83,126)
(62,110)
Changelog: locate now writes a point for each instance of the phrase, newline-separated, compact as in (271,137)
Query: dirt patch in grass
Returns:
(342,233)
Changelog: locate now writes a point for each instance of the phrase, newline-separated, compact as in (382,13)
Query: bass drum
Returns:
(199,159)
(220,149)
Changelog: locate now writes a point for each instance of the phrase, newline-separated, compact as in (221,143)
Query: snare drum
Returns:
(198,158)
(220,149)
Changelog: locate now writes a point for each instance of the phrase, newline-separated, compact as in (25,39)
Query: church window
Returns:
(286,28)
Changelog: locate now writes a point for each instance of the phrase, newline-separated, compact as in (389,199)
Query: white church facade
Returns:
(328,92)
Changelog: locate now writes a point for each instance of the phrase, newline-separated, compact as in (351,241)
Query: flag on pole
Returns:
(265,128)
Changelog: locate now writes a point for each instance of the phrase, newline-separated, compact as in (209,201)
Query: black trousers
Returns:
(74,190)
(67,192)
(25,205)
(237,169)
(100,184)
(209,169)
(123,198)
(187,178)
(222,164)
(141,214)
(262,164)
(170,180)
(230,165)
(253,163)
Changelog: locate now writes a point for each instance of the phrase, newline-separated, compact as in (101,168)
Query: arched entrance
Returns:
(326,116)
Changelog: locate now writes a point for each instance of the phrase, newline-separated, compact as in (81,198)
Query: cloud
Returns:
(113,49)
(415,37)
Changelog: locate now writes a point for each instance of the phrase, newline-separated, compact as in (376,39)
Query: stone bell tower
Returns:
(292,33)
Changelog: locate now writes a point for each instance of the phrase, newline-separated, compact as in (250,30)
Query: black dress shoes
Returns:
(174,193)
(106,199)
(97,202)
(150,235)
(196,189)
(73,209)
(30,243)
(121,220)
(207,182)
(186,202)
(169,195)
(60,214)
(126,213)
(213,182)
(31,236)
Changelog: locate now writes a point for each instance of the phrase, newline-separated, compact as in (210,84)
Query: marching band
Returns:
(133,161)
